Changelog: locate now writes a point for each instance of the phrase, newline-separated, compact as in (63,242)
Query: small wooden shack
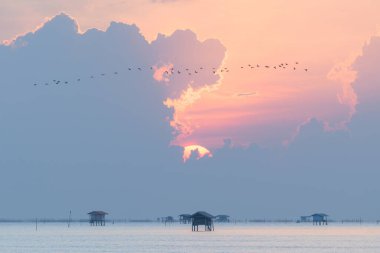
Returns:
(305,218)
(97,218)
(319,219)
(168,219)
(202,218)
(185,218)
(223,218)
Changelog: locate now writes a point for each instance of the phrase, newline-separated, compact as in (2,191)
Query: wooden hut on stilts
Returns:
(202,218)
(97,218)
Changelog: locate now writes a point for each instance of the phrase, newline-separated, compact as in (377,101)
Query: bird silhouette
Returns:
(189,70)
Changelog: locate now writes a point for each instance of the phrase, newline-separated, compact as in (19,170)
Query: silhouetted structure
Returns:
(222,218)
(97,218)
(202,218)
(168,219)
(185,218)
(319,219)
(305,218)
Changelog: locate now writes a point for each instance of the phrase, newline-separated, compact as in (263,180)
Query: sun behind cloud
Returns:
(199,151)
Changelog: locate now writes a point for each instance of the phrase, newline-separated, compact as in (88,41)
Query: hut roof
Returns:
(202,213)
(319,214)
(222,216)
(98,213)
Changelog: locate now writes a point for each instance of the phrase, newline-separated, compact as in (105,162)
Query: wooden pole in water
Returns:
(68,223)
(36,224)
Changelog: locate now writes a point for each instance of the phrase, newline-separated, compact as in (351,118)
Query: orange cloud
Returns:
(198,150)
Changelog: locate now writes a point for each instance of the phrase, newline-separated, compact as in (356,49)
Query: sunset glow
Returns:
(198,150)
(179,105)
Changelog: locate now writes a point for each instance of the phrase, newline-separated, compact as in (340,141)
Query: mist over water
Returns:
(156,237)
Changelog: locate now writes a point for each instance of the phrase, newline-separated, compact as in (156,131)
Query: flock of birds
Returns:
(184,71)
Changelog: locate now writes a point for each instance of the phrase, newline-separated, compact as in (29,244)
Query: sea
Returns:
(157,237)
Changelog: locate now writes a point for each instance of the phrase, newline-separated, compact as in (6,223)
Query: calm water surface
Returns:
(130,237)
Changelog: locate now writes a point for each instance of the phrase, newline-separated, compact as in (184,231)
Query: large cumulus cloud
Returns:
(100,130)
(110,135)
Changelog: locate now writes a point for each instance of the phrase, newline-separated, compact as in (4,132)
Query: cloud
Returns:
(94,125)
(110,135)
(367,89)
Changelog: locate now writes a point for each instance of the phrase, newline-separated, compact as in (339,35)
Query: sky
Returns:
(250,142)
